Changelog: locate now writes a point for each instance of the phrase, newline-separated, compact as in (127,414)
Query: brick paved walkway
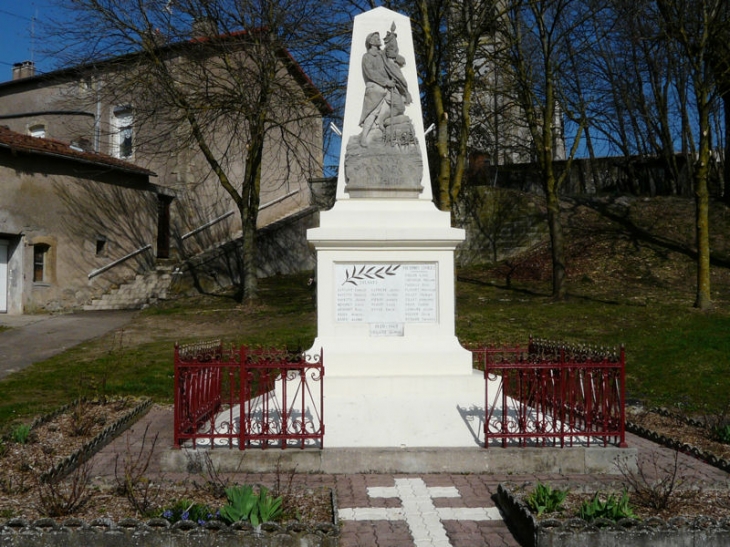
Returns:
(429,510)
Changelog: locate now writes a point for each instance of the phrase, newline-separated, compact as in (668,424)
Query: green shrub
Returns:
(612,508)
(544,499)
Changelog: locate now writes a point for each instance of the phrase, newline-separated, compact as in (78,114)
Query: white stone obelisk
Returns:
(395,373)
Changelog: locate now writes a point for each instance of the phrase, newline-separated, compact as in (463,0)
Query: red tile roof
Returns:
(18,142)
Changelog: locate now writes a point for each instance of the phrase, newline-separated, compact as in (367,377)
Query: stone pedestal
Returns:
(397,317)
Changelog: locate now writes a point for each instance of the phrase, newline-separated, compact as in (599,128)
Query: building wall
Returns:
(86,216)
(76,110)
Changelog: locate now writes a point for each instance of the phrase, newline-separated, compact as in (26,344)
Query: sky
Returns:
(21,26)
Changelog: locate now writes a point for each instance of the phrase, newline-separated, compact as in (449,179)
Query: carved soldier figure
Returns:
(385,159)
(377,85)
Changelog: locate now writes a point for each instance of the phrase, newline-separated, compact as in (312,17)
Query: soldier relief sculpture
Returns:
(384,160)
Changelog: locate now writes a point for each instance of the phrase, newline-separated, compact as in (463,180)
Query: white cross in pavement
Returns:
(418,510)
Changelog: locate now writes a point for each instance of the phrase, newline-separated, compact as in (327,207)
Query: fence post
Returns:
(176,388)
(242,400)
(622,398)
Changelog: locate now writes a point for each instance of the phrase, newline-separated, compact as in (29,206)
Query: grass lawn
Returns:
(638,293)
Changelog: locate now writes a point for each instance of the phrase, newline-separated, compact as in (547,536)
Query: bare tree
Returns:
(543,38)
(720,62)
(449,38)
(214,82)
(695,26)
(638,85)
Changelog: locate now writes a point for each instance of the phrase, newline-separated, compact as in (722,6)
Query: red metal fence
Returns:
(247,397)
(553,394)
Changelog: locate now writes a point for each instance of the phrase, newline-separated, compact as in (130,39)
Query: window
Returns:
(40,258)
(123,136)
(163,226)
(38,131)
(101,246)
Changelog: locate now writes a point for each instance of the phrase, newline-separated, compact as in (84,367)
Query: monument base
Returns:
(405,411)
(353,357)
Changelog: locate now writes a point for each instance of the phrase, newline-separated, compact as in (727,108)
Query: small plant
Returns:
(722,433)
(241,504)
(657,487)
(62,498)
(14,483)
(132,480)
(612,508)
(188,510)
(214,481)
(545,499)
(82,419)
(20,434)
(245,505)
(269,507)
(283,487)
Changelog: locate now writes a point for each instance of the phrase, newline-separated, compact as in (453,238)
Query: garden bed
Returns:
(670,511)
(688,435)
(571,531)
(48,495)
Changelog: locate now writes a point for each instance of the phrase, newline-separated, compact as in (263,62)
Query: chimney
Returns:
(26,69)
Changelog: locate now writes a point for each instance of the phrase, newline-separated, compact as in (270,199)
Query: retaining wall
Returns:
(159,533)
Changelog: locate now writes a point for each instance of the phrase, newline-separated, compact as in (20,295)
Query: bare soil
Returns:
(677,427)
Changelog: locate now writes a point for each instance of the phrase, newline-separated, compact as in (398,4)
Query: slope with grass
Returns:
(631,281)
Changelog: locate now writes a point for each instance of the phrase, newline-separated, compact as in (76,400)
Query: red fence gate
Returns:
(552,394)
(247,397)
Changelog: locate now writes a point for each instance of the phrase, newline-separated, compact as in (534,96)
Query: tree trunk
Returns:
(444,164)
(249,209)
(557,240)
(702,211)
(249,280)
(702,226)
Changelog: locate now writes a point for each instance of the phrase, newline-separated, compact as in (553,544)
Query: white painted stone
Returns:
(403,411)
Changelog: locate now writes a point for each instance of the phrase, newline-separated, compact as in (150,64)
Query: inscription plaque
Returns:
(386,293)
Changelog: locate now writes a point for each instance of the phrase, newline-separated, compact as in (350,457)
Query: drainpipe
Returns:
(97,118)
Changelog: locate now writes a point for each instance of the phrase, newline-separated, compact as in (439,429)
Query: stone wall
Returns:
(637,175)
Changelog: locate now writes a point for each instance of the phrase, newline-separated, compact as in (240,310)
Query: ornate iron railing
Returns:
(247,397)
(553,394)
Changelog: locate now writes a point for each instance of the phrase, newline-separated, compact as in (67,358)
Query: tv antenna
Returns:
(32,35)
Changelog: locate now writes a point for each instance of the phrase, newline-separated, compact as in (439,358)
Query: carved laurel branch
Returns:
(369,272)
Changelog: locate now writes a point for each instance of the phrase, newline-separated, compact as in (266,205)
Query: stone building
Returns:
(72,223)
(75,106)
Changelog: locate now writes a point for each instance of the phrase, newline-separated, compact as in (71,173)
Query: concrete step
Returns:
(137,293)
